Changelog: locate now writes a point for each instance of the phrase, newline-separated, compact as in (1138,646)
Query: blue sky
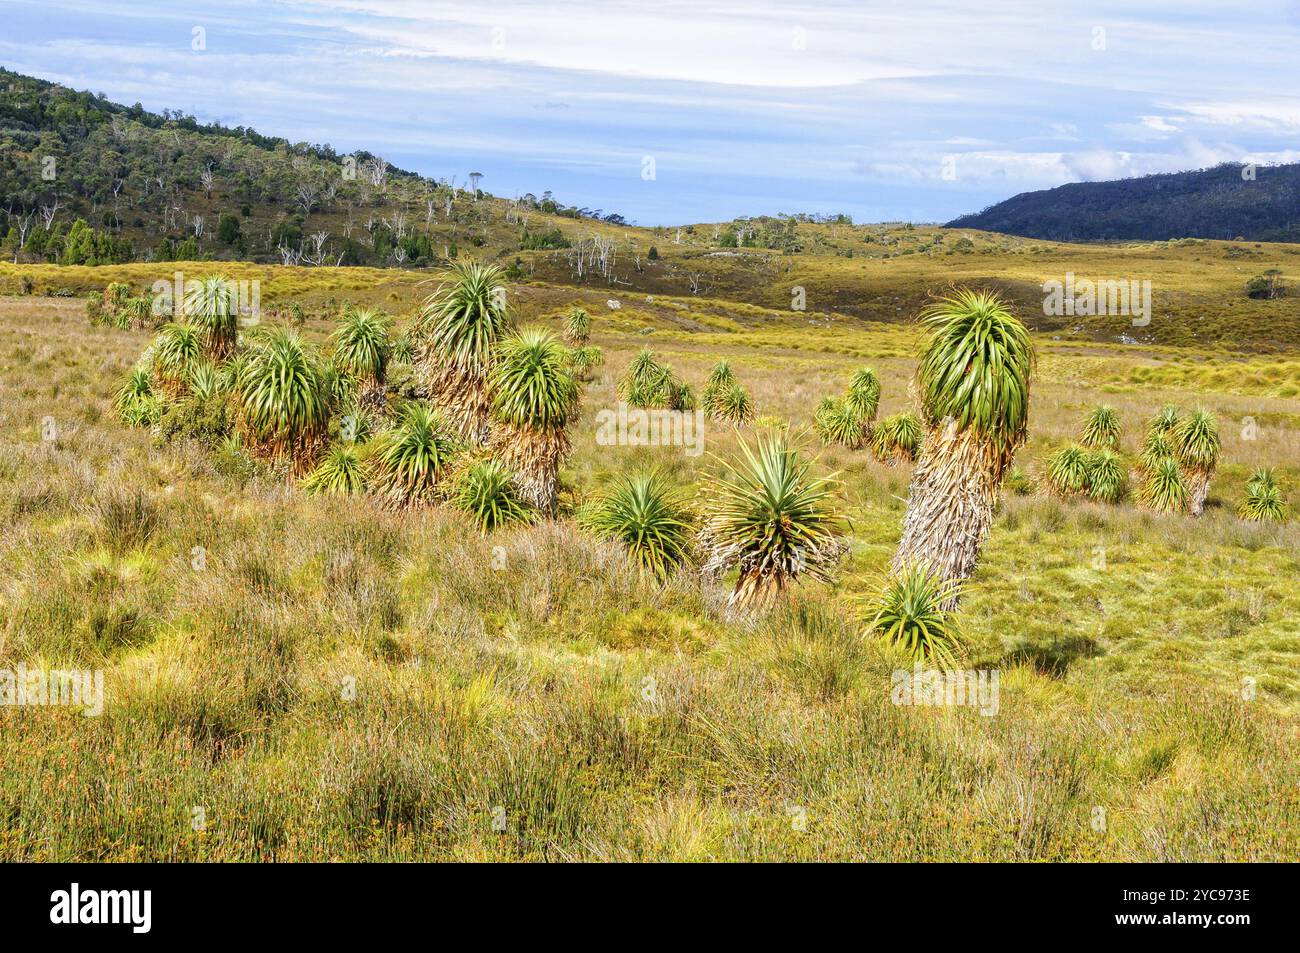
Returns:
(920,110)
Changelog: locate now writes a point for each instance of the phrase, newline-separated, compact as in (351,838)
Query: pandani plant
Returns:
(362,351)
(1196,444)
(459,328)
(534,399)
(340,473)
(486,491)
(212,305)
(770,519)
(973,380)
(913,614)
(1101,431)
(282,401)
(577,328)
(409,462)
(897,438)
(1163,489)
(1263,501)
(835,422)
(649,518)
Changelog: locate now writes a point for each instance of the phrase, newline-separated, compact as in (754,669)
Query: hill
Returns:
(163,187)
(1226,202)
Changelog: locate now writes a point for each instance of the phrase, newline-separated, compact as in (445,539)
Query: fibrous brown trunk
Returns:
(950,505)
(463,399)
(534,456)
(1198,488)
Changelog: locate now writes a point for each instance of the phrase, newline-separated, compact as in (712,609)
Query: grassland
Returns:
(604,719)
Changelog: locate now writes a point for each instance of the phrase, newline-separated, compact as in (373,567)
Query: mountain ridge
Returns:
(1226,202)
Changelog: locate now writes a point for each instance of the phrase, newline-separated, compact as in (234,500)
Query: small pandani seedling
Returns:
(176,349)
(837,422)
(583,359)
(646,515)
(771,519)
(410,460)
(134,400)
(1067,471)
(1263,501)
(486,491)
(896,438)
(733,405)
(1106,479)
(913,614)
(340,473)
(1164,490)
(1101,431)
(1165,419)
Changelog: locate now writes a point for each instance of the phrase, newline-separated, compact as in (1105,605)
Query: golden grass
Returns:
(592,717)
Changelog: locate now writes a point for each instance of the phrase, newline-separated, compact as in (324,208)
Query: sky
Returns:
(668,112)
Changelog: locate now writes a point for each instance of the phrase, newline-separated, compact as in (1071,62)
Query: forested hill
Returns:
(87,181)
(1229,201)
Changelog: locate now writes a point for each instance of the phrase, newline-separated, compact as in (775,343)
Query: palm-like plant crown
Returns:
(532,386)
(898,435)
(212,305)
(976,368)
(863,396)
(1106,481)
(281,389)
(1263,501)
(1067,470)
(176,349)
(487,493)
(720,376)
(644,382)
(837,422)
(341,473)
(644,513)
(135,386)
(205,380)
(463,320)
(1165,419)
(1164,489)
(1157,446)
(1102,430)
(413,457)
(361,345)
(770,518)
(1196,441)
(577,327)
